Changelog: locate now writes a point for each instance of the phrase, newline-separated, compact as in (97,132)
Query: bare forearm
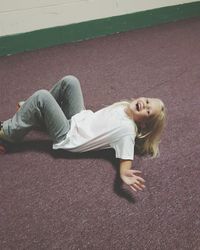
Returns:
(125,165)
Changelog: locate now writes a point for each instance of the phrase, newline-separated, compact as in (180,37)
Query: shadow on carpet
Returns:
(45,146)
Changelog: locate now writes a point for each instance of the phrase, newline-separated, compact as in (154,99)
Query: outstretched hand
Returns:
(131,177)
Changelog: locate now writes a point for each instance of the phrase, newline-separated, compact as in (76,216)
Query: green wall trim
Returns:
(86,30)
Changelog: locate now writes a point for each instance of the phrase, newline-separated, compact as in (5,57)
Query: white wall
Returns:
(19,16)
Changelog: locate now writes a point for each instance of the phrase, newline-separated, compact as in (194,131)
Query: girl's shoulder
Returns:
(127,123)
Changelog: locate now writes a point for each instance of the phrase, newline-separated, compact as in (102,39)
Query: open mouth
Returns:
(139,106)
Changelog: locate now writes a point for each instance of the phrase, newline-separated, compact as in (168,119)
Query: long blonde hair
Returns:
(148,138)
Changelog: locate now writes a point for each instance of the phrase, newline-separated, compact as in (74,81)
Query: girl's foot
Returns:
(19,104)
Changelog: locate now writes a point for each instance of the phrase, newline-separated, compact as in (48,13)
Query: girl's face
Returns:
(143,108)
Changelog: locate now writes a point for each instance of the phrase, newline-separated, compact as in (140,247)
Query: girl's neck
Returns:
(128,111)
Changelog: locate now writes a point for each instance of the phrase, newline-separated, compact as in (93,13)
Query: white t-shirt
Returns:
(109,127)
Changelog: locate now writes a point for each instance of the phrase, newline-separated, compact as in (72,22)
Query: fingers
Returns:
(134,189)
(140,179)
(137,181)
(140,186)
(136,171)
(137,186)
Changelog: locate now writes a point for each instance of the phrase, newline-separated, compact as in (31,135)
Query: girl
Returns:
(123,126)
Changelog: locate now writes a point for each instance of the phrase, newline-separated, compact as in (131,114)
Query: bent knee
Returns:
(43,95)
(70,80)
(42,92)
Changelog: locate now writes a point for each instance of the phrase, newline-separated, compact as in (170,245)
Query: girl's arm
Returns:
(130,176)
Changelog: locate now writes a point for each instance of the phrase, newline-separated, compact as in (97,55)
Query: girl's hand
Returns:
(131,178)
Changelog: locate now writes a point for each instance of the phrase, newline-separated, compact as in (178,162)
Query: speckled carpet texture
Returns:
(59,200)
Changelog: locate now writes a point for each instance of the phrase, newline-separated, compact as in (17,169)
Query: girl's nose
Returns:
(147,106)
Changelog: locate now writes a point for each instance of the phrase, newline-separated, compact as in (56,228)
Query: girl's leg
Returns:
(68,94)
(39,109)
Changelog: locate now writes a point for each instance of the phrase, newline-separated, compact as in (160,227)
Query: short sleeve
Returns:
(124,148)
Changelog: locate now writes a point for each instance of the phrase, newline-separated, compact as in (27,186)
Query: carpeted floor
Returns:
(58,200)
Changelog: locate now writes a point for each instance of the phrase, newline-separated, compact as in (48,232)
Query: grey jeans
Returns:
(49,109)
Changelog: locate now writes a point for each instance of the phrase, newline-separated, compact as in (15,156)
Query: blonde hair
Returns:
(148,138)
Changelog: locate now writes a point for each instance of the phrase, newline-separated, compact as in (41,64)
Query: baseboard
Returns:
(86,30)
